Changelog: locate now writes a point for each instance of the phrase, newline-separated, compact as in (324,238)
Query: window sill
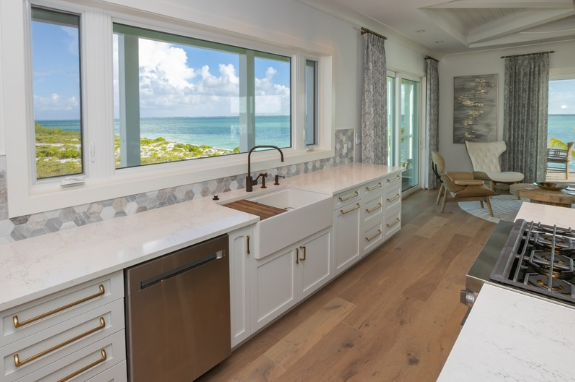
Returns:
(50,196)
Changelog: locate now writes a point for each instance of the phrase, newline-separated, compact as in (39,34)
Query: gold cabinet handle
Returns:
(304,252)
(397,220)
(374,236)
(370,210)
(394,180)
(350,210)
(374,187)
(248,240)
(86,368)
(355,195)
(297,255)
(19,363)
(18,324)
(394,198)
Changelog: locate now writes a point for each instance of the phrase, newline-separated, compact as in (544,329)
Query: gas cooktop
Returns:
(540,259)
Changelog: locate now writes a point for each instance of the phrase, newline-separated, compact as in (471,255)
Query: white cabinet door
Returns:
(240,254)
(346,233)
(314,268)
(273,286)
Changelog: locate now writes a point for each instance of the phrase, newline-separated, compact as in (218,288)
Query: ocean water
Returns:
(220,132)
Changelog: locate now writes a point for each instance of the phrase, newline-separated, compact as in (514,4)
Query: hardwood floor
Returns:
(394,316)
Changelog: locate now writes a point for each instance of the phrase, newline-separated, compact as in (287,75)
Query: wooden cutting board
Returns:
(254,208)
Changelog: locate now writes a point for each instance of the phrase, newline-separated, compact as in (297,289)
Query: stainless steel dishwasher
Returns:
(178,313)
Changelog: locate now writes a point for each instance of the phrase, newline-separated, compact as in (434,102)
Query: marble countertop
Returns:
(36,267)
(514,336)
(510,336)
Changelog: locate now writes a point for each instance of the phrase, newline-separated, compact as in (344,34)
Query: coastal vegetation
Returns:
(59,152)
(559,144)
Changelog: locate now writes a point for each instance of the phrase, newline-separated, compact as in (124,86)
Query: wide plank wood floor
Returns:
(394,316)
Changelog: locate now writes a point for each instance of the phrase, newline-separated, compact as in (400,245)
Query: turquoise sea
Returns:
(220,132)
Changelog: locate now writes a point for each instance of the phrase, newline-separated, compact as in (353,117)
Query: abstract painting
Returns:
(475,108)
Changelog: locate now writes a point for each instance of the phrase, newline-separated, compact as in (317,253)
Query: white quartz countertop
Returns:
(550,215)
(510,336)
(46,264)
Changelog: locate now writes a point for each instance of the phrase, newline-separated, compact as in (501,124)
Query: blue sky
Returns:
(562,97)
(181,80)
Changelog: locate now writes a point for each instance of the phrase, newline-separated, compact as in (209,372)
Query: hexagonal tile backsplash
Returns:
(23,227)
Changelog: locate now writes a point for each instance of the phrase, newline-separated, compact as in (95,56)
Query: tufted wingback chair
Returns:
(485,160)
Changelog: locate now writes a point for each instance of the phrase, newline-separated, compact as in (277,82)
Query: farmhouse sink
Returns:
(306,212)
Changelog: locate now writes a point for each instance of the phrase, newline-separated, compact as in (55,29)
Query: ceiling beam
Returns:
(444,24)
(515,23)
(545,4)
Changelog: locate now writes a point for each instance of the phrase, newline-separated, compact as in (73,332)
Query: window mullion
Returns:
(247,101)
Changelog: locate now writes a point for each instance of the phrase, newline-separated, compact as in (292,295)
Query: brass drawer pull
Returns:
(397,220)
(248,239)
(394,180)
(370,210)
(18,324)
(394,198)
(304,252)
(350,210)
(19,363)
(297,255)
(86,368)
(355,195)
(374,236)
(373,188)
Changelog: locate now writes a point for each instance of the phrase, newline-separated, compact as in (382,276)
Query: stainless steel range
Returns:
(528,256)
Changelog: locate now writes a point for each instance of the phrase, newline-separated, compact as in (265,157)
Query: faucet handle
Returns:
(277,180)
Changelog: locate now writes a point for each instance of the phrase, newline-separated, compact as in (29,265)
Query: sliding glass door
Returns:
(403,102)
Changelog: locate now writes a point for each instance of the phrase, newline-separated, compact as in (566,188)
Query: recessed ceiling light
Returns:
(420,31)
(439,42)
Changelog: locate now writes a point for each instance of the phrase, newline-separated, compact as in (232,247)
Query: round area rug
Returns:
(505,207)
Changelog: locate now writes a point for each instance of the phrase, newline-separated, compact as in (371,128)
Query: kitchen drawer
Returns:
(373,188)
(372,237)
(344,198)
(392,196)
(94,362)
(372,209)
(43,348)
(392,180)
(114,374)
(392,222)
(43,313)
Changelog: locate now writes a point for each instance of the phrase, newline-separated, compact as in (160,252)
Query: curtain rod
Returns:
(431,58)
(528,54)
(365,30)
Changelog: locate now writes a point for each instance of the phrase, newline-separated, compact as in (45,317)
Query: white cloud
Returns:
(54,102)
(170,87)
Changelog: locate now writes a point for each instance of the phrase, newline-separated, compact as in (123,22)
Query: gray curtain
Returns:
(374,102)
(432,114)
(525,115)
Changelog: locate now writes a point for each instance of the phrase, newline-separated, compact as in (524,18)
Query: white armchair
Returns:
(485,160)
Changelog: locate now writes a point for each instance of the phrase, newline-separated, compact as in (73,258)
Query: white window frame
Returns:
(26,195)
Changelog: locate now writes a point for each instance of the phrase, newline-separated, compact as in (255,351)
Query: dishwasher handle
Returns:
(181,269)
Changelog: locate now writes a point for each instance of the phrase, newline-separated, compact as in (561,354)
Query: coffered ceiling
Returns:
(461,25)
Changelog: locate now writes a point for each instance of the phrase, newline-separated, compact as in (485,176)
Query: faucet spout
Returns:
(249,181)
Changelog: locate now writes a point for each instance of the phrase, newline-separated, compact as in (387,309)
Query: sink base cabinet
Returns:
(241,251)
(281,280)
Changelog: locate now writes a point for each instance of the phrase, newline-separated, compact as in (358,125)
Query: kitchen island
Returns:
(510,335)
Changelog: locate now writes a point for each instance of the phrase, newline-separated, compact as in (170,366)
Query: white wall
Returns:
(562,65)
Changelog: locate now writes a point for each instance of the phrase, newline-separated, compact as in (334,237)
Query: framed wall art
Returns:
(475,108)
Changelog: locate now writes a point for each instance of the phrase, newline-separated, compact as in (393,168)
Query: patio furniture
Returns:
(460,186)
(560,157)
(485,161)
